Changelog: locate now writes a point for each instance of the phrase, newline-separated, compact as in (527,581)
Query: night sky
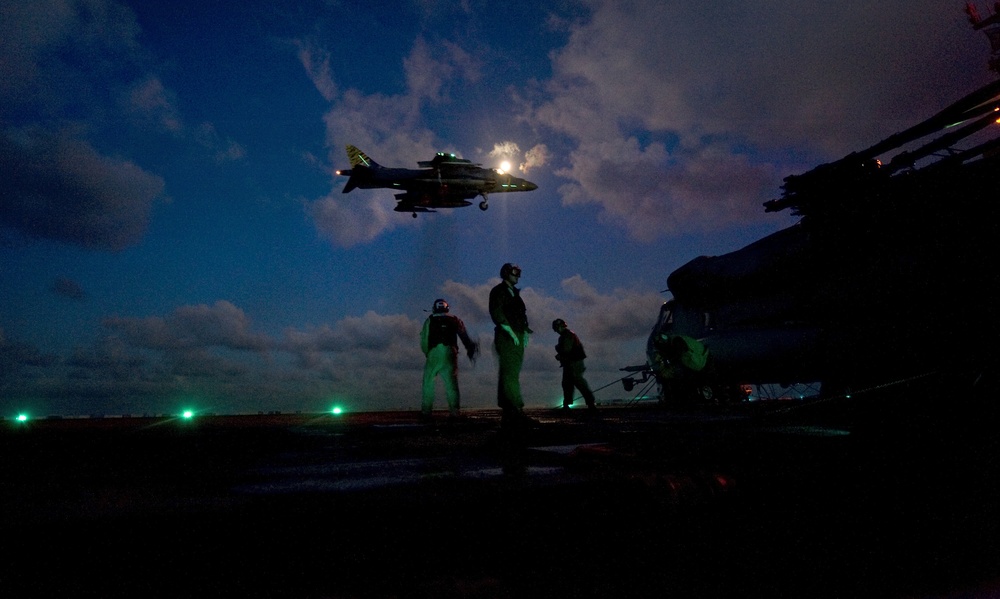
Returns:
(173,233)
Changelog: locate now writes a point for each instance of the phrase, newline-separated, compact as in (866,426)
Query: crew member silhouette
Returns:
(439,342)
(569,352)
(511,335)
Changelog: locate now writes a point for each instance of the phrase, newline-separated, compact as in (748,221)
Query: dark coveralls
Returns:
(569,352)
(678,356)
(439,342)
(507,308)
(678,363)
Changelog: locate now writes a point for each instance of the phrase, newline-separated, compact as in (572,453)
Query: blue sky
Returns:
(173,232)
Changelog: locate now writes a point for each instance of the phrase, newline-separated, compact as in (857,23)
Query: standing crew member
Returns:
(510,339)
(439,342)
(569,352)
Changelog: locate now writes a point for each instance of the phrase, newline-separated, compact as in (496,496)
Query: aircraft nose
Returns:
(528,185)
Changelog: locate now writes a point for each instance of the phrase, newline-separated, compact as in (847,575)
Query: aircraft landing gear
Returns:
(414,215)
(483,205)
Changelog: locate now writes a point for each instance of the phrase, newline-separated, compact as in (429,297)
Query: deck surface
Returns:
(775,499)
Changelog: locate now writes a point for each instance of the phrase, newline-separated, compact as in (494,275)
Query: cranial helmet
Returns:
(508,269)
(557,323)
(440,306)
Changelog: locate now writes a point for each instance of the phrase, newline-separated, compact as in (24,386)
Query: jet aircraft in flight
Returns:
(445,181)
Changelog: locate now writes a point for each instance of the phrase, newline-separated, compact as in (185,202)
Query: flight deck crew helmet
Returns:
(440,306)
(558,324)
(510,269)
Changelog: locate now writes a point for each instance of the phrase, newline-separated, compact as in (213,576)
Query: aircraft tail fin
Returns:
(359,162)
(359,158)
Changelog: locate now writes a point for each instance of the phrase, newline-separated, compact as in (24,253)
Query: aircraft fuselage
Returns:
(466,184)
(448,183)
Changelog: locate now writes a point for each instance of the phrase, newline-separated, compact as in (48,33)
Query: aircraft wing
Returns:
(401,207)
(436,198)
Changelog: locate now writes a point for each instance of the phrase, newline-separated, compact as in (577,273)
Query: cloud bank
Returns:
(75,73)
(213,356)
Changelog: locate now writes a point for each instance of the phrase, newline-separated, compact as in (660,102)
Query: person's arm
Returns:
(423,336)
(563,348)
(471,347)
(498,300)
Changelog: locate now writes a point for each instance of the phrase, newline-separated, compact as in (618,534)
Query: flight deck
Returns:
(868,497)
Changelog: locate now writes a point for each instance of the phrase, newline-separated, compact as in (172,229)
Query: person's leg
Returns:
(432,367)
(567,386)
(511,357)
(581,383)
(449,374)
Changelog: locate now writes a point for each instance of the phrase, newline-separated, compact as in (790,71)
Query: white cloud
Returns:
(188,327)
(316,62)
(47,47)
(59,187)
(428,75)
(662,103)
(353,219)
(55,55)
(73,78)
(150,100)
(504,149)
(651,192)
(223,149)
(537,156)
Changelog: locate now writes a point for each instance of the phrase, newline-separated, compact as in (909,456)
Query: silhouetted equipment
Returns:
(991,27)
(889,273)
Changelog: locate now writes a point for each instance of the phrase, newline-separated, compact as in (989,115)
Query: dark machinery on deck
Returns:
(889,274)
